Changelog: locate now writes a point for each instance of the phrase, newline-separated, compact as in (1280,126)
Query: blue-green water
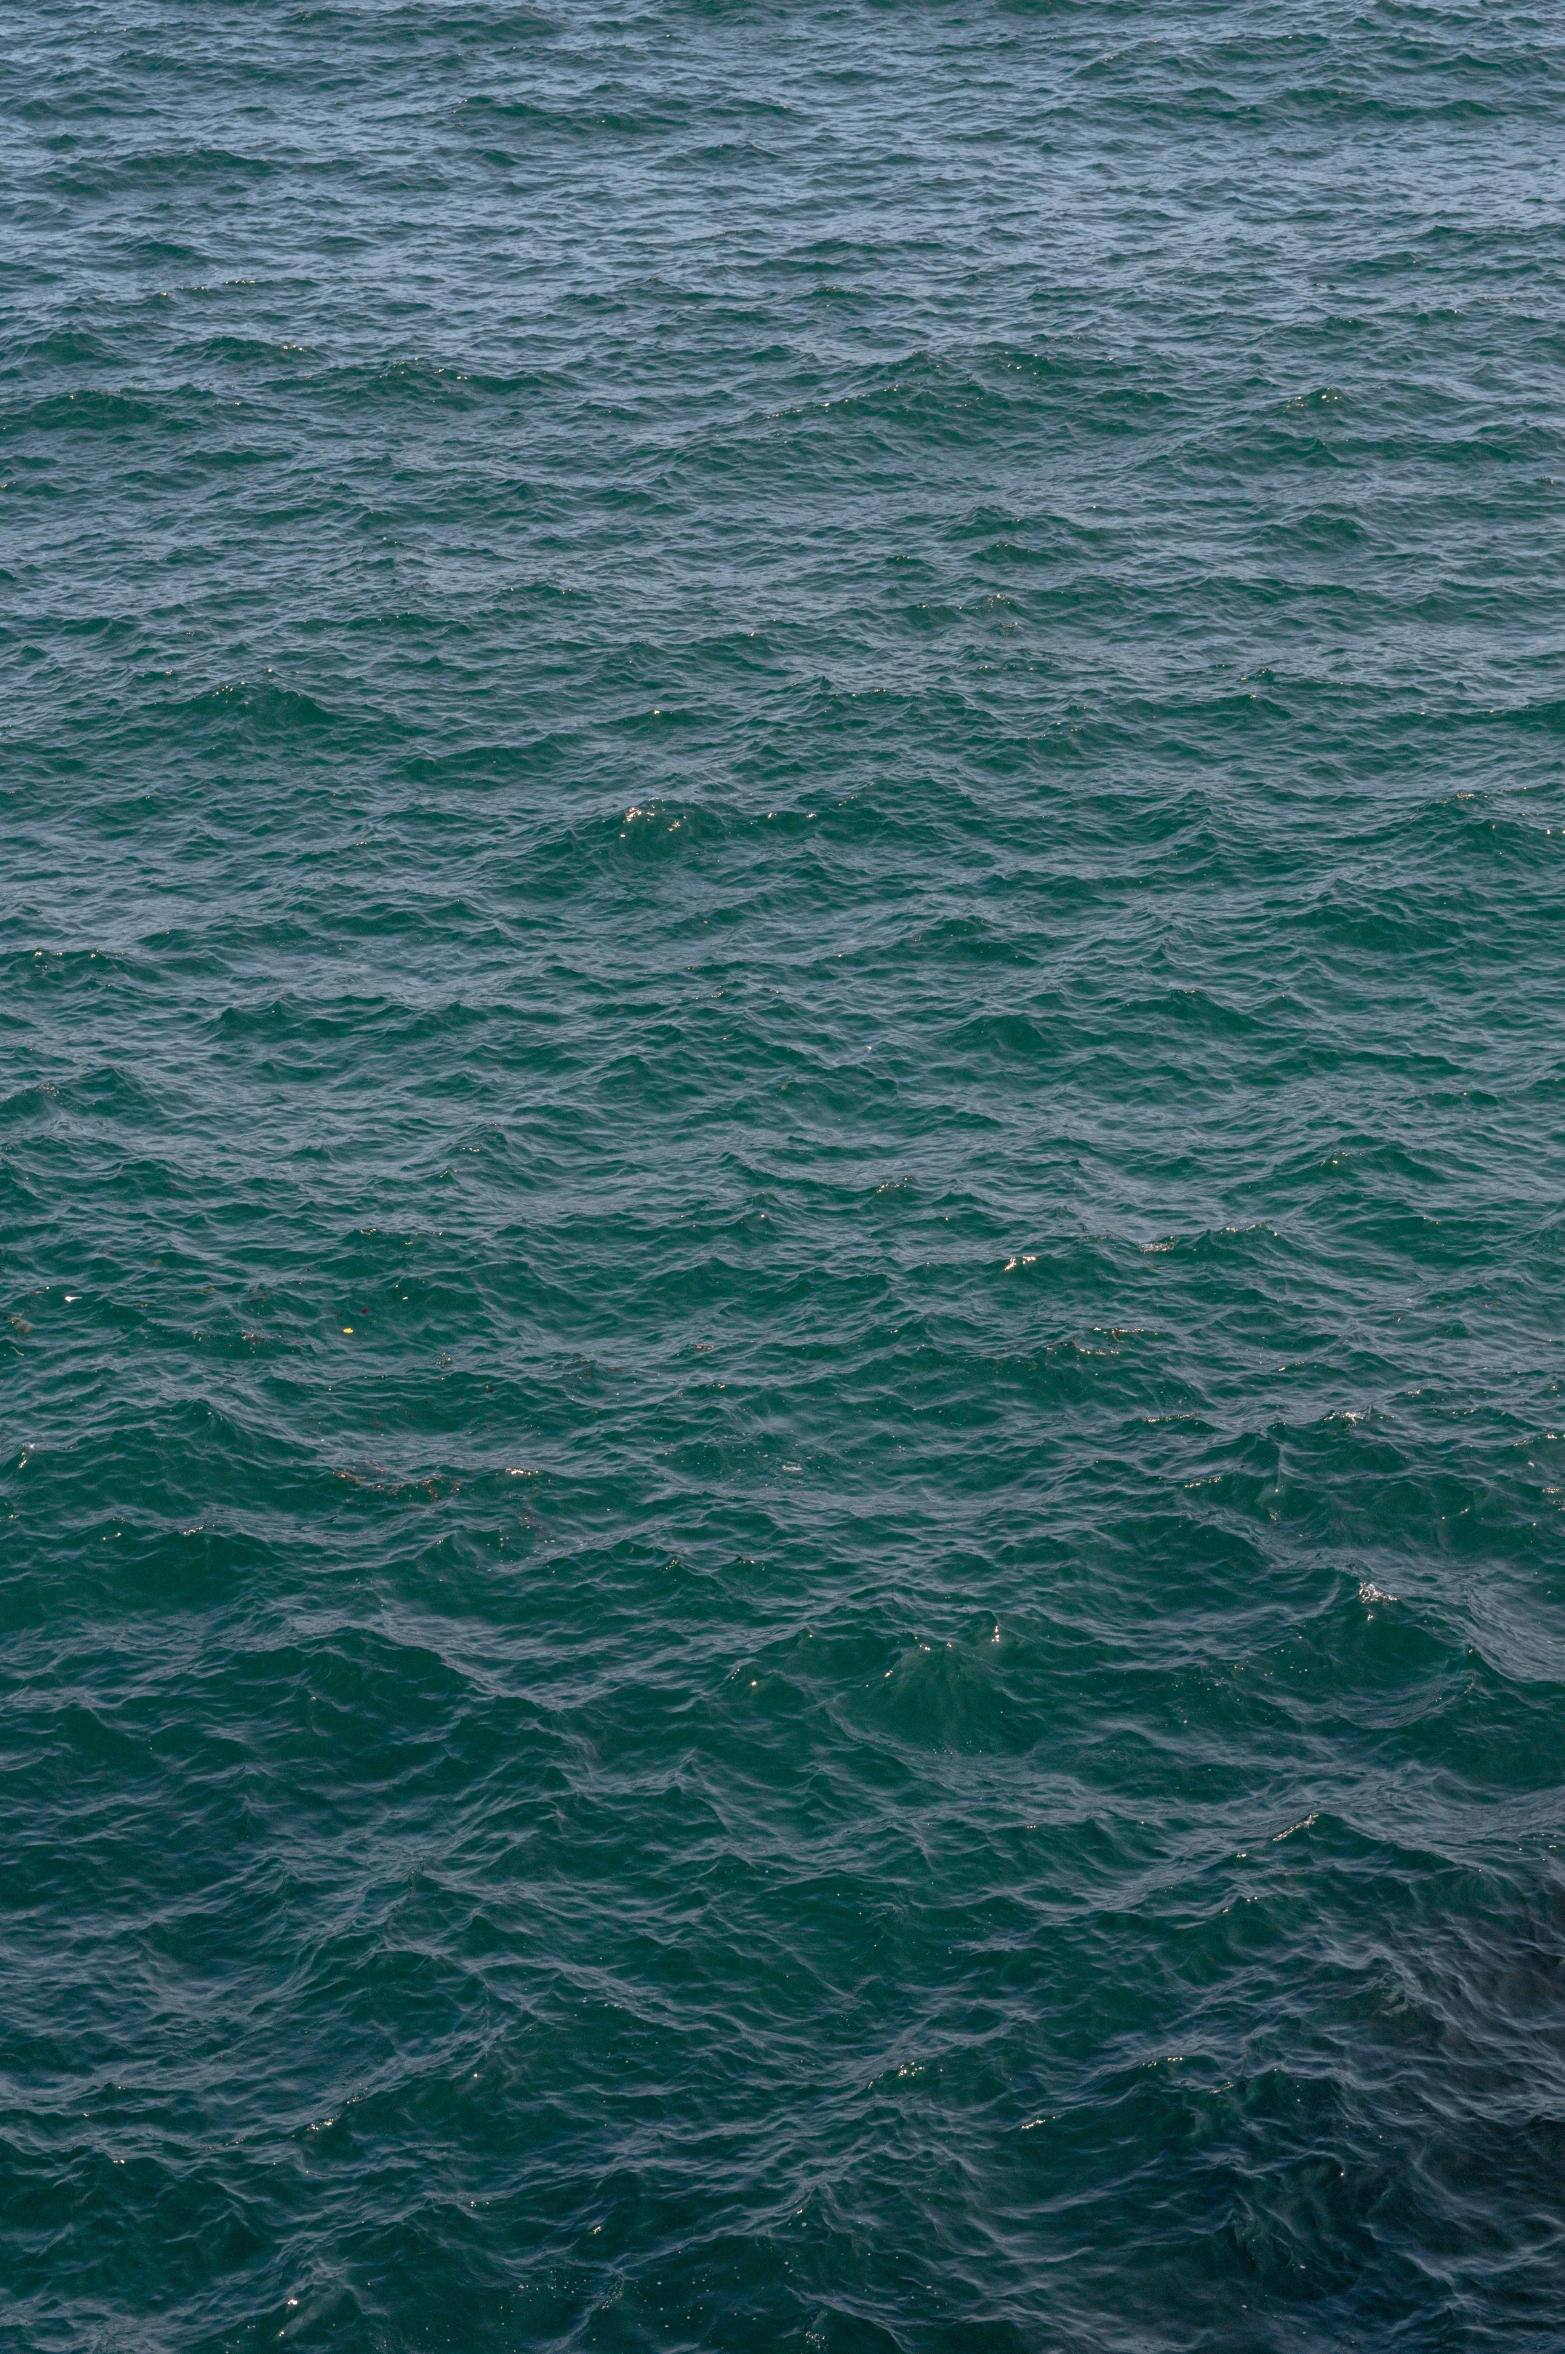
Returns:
(781,1162)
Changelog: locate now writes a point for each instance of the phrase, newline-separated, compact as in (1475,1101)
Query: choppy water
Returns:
(782,1144)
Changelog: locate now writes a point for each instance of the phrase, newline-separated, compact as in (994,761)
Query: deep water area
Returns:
(782,1177)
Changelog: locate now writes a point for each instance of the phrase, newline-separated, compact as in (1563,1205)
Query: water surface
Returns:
(781,1148)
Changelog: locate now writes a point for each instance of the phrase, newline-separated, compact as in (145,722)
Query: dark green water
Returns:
(781,1152)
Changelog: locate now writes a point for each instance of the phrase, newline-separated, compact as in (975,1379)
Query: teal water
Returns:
(781,1156)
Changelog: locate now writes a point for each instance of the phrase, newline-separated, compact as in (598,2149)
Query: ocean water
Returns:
(781,1157)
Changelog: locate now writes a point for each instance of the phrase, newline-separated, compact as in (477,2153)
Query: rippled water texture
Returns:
(781,1150)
